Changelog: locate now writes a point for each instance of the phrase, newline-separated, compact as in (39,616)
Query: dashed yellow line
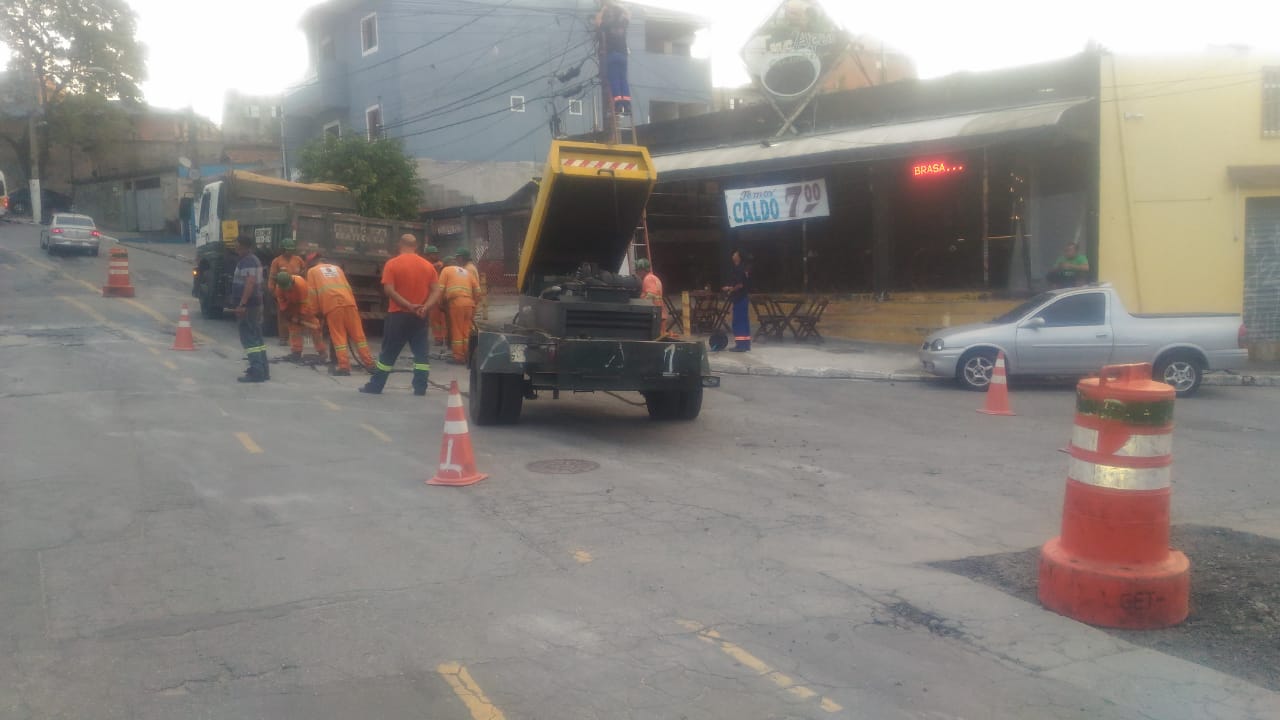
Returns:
(758,666)
(86,309)
(159,316)
(169,364)
(330,404)
(376,432)
(248,443)
(33,261)
(465,687)
(582,556)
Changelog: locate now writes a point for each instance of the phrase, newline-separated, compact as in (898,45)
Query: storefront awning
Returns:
(943,134)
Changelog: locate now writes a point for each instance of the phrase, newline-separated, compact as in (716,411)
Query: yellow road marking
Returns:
(159,316)
(248,443)
(758,666)
(465,687)
(169,364)
(154,350)
(582,556)
(83,307)
(92,288)
(330,404)
(376,432)
(33,261)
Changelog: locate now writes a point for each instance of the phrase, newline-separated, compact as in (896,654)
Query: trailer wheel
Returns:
(485,397)
(663,405)
(690,404)
(510,398)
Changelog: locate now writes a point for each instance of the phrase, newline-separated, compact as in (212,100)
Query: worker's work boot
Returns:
(340,372)
(294,357)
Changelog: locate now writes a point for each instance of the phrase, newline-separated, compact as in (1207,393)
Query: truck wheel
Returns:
(511,398)
(690,404)
(975,368)
(664,405)
(485,396)
(1181,370)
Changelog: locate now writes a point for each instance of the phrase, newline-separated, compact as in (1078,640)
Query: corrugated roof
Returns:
(960,131)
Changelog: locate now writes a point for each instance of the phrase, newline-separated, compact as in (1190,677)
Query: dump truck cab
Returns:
(580,326)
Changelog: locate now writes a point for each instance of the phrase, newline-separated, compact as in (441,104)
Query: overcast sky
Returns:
(197,50)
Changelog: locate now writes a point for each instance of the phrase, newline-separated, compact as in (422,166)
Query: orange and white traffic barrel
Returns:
(118,284)
(1112,565)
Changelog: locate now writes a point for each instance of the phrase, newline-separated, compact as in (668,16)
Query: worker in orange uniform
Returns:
(289,262)
(412,289)
(332,298)
(439,321)
(461,291)
(651,290)
(293,297)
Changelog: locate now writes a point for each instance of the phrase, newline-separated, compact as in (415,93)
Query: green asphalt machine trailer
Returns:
(580,326)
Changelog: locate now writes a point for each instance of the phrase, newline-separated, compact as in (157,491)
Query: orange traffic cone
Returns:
(457,462)
(118,284)
(998,391)
(184,341)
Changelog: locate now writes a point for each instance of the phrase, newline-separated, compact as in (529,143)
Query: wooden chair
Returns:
(675,315)
(770,322)
(807,321)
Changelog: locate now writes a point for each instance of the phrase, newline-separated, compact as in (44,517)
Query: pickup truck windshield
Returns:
(1021,310)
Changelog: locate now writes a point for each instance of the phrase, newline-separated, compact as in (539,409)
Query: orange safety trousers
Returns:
(309,323)
(462,312)
(439,325)
(344,324)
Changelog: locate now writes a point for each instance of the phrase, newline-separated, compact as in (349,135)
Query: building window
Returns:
(369,33)
(575,107)
(275,111)
(373,120)
(517,103)
(255,111)
(1271,102)
(333,129)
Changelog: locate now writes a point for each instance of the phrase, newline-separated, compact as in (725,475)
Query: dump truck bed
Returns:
(589,205)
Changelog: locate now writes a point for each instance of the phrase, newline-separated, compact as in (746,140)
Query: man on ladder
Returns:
(613,19)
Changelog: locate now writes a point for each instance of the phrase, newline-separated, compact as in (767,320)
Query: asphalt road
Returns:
(177,545)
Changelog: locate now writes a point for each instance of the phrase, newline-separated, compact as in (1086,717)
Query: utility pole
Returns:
(33,130)
(606,92)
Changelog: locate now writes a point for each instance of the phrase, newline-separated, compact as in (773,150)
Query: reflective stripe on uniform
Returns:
(362,344)
(424,367)
(1118,478)
(258,348)
(383,368)
(1137,446)
(339,347)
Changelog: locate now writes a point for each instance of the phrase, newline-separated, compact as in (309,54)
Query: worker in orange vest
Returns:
(293,297)
(439,320)
(461,290)
(651,290)
(286,261)
(332,298)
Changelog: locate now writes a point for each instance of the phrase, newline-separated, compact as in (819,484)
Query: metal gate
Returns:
(1262,270)
(150,209)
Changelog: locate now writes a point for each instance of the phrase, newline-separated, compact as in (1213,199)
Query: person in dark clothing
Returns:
(738,287)
(613,19)
(412,289)
(246,285)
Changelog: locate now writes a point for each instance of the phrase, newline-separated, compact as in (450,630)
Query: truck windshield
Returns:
(1022,309)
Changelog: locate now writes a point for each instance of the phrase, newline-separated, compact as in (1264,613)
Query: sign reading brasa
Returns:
(777,203)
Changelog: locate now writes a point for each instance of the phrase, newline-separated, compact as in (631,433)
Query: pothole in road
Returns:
(1235,599)
(564,466)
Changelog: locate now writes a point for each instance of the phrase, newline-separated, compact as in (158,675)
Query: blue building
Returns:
(477,90)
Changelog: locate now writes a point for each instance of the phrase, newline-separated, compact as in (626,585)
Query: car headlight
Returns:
(937,345)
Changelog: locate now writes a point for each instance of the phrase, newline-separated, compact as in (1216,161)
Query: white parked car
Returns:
(1077,331)
(70,232)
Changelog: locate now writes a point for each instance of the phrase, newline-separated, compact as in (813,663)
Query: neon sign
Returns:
(934,168)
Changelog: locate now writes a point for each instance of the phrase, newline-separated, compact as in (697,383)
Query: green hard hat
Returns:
(432,250)
(289,244)
(284,279)
(463,253)
(642,264)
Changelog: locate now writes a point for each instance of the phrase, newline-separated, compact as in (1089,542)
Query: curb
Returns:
(1210,380)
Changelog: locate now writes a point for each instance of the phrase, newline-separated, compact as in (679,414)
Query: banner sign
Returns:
(793,50)
(777,203)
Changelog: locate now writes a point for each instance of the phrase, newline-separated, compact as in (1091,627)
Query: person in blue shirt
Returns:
(246,286)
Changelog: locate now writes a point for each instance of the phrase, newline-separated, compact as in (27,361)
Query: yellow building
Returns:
(1189,186)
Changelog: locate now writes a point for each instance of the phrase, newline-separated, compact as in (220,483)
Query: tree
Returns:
(383,179)
(72,48)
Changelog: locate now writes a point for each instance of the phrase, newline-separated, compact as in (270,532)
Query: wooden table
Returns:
(710,311)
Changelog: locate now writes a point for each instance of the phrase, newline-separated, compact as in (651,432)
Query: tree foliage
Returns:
(88,123)
(75,46)
(383,179)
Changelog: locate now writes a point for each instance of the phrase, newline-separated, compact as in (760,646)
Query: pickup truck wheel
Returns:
(690,404)
(485,396)
(511,398)
(975,368)
(1181,371)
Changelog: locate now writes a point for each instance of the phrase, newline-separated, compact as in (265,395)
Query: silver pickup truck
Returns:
(1077,331)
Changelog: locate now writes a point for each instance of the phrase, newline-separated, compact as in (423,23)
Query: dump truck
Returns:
(320,216)
(580,326)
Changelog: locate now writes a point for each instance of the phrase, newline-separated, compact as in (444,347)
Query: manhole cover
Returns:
(561,467)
